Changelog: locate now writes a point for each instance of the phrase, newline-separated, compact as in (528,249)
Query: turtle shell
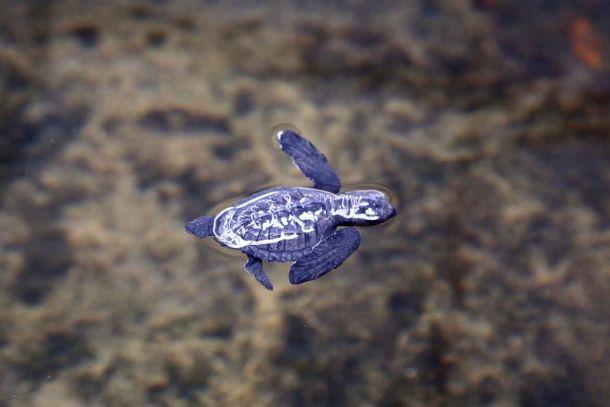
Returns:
(280,224)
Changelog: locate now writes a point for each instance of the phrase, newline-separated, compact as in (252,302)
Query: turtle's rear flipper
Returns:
(201,227)
(254,266)
(309,160)
(326,256)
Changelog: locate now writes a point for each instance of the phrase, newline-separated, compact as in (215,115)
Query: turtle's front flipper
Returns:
(201,227)
(326,256)
(254,266)
(309,160)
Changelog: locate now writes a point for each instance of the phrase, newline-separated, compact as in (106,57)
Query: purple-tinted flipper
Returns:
(309,160)
(326,256)
(201,227)
(254,266)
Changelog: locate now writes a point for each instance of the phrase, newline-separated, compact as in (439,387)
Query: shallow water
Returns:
(488,119)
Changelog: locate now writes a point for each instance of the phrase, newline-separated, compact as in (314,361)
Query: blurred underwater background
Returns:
(121,120)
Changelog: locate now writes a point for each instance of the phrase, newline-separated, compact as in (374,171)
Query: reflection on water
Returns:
(486,121)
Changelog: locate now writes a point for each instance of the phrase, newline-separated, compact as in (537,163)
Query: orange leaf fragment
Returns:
(586,43)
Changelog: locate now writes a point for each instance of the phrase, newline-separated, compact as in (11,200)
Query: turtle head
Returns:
(363,207)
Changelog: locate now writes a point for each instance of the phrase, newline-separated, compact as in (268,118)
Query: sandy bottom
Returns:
(121,120)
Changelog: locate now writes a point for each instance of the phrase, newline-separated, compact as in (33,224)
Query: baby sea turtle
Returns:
(296,223)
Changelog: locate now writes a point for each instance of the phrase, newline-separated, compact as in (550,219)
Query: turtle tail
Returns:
(201,227)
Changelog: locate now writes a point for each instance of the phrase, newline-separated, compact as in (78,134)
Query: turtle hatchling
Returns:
(297,224)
